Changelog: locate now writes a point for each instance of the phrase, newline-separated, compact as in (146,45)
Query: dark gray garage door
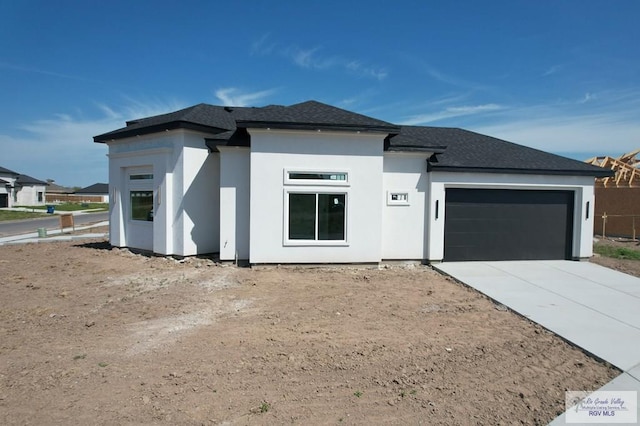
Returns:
(4,200)
(489,224)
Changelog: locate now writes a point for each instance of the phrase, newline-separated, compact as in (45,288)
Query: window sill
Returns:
(314,243)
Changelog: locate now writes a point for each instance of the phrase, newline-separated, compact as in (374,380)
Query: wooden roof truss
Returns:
(626,168)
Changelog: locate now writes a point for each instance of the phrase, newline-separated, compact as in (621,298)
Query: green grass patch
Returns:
(264,407)
(617,252)
(14,215)
(71,207)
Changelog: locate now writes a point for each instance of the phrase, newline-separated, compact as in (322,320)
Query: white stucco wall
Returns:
(359,155)
(234,203)
(182,171)
(27,195)
(582,186)
(403,224)
(196,198)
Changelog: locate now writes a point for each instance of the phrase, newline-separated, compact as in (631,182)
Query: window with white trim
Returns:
(142,176)
(141,205)
(141,194)
(317,216)
(316,177)
(315,210)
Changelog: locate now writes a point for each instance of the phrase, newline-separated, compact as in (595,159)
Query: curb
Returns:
(34,238)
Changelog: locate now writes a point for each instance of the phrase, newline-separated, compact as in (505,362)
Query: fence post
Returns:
(604,224)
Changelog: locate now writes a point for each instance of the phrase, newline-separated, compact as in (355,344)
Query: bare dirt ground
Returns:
(95,335)
(628,266)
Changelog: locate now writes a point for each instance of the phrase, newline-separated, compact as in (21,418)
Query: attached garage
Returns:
(499,224)
(402,192)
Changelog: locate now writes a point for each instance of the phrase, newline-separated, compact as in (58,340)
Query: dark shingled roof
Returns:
(201,117)
(7,171)
(313,115)
(216,120)
(57,189)
(457,149)
(28,180)
(474,152)
(96,188)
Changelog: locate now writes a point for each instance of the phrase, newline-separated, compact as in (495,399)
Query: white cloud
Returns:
(264,45)
(61,147)
(552,70)
(232,96)
(451,112)
(599,135)
(305,58)
(599,123)
(605,125)
(312,59)
(587,97)
(451,80)
(316,59)
(358,68)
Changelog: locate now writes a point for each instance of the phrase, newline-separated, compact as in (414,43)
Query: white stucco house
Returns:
(312,183)
(20,190)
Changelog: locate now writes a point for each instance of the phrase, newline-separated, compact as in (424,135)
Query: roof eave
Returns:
(415,148)
(595,174)
(316,126)
(156,128)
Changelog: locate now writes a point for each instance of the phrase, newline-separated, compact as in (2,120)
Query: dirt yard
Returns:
(628,266)
(94,335)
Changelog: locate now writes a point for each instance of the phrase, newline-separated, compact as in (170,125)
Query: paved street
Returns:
(51,222)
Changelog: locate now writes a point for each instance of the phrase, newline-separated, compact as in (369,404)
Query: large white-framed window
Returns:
(315,217)
(316,206)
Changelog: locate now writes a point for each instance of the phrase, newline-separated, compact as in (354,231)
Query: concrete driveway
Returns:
(593,307)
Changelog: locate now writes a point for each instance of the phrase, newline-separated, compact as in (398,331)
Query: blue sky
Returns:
(562,76)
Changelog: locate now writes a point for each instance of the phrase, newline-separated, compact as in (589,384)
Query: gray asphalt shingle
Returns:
(457,149)
(470,151)
(96,188)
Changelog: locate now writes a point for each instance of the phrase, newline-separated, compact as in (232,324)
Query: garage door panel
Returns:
(507,224)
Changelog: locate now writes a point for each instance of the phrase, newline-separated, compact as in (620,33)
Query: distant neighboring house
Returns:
(58,194)
(21,190)
(96,193)
(312,183)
